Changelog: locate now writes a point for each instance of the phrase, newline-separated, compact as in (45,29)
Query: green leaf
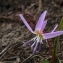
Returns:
(61,24)
(59,61)
(45,61)
(55,45)
(57,38)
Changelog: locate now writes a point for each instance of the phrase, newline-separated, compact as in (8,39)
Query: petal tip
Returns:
(45,11)
(20,15)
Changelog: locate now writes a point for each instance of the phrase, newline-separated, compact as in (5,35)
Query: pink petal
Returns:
(52,35)
(35,48)
(44,24)
(25,22)
(39,47)
(34,43)
(40,21)
(54,28)
(26,43)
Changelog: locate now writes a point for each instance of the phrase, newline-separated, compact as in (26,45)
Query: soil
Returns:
(13,32)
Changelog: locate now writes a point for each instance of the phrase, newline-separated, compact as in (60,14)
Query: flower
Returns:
(37,41)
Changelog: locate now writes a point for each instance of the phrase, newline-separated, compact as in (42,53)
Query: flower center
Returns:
(39,36)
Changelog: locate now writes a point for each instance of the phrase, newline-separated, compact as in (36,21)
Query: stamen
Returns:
(32,44)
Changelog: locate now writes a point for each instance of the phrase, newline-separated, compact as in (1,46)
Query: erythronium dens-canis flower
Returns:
(37,41)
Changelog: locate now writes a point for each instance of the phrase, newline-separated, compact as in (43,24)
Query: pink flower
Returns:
(37,41)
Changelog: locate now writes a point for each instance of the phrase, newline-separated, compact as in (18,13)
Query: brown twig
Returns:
(39,8)
(27,58)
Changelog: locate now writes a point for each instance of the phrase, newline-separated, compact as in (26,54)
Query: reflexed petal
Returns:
(44,24)
(40,21)
(35,48)
(39,46)
(25,22)
(28,42)
(33,44)
(52,35)
(54,28)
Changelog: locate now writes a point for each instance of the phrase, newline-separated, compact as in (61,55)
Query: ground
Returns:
(13,32)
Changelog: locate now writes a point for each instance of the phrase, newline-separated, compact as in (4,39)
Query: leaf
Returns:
(61,24)
(57,38)
(59,61)
(45,61)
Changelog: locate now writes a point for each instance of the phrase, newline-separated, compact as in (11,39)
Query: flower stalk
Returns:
(50,49)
